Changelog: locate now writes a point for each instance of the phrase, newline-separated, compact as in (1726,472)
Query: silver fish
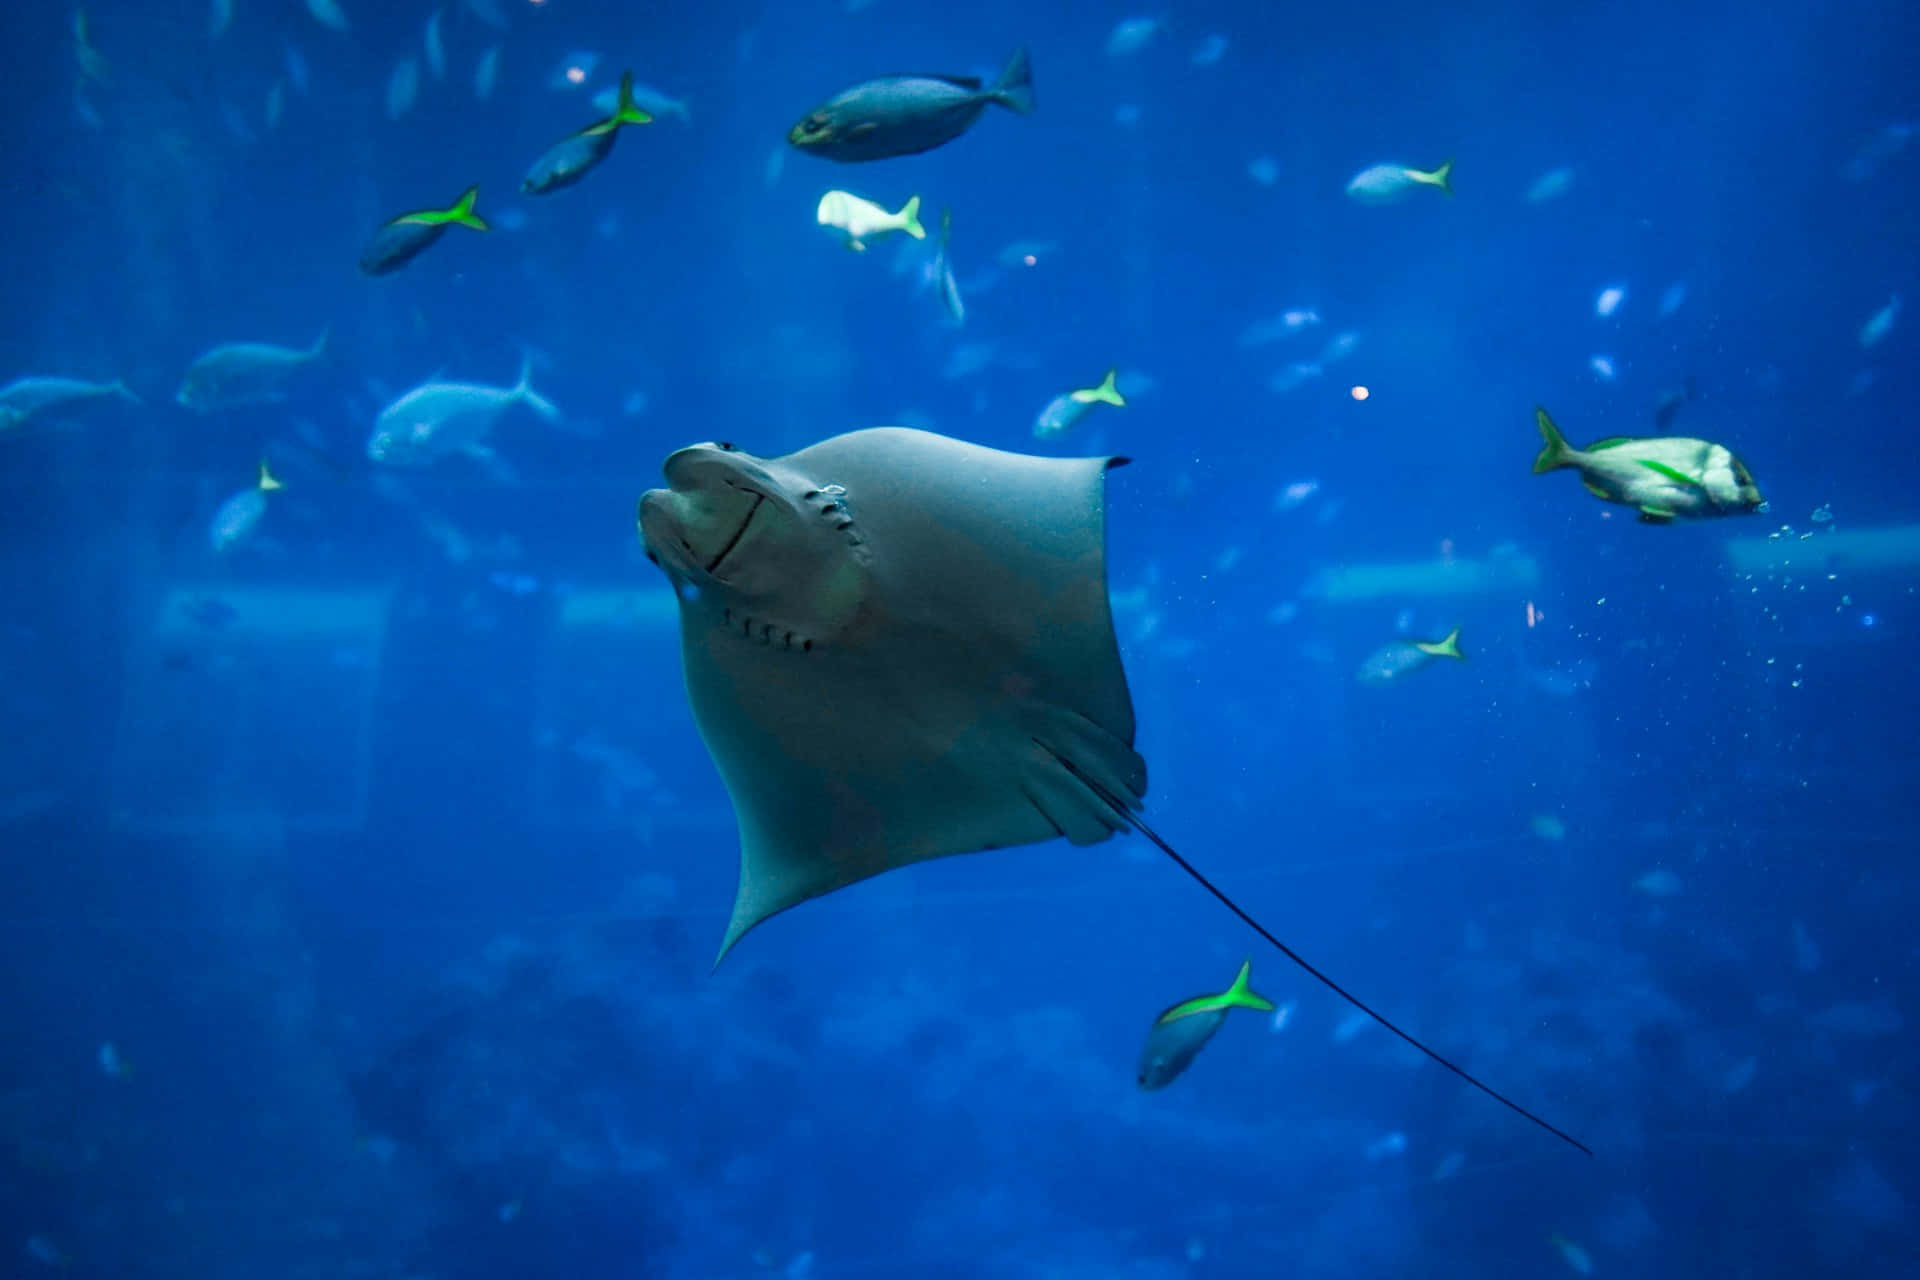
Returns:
(23,399)
(237,374)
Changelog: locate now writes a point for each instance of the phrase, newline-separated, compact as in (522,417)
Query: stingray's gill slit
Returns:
(1135,821)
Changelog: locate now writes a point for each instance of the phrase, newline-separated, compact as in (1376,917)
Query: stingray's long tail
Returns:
(1295,956)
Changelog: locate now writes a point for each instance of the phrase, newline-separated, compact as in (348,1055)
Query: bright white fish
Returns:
(1603,367)
(1880,323)
(403,86)
(486,73)
(1550,185)
(1391,183)
(328,14)
(240,514)
(436,48)
(1211,50)
(220,19)
(441,418)
(655,102)
(1132,35)
(859,220)
(1609,299)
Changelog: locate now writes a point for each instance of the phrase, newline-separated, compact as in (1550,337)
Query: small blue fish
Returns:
(1179,1033)
(239,514)
(406,237)
(574,156)
(1391,183)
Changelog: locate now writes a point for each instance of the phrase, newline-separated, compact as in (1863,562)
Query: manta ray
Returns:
(898,646)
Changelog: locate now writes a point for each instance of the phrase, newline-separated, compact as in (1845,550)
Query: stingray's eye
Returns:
(725,446)
(816,123)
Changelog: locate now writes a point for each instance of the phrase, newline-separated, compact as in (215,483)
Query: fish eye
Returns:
(725,446)
(816,123)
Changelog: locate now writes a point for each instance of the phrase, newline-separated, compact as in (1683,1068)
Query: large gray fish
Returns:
(1667,477)
(903,115)
(234,375)
(1182,1031)
(23,399)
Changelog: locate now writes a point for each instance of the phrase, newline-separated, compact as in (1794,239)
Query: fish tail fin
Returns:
(1241,994)
(268,482)
(523,391)
(319,347)
(627,111)
(909,216)
(1557,452)
(1108,392)
(1441,177)
(120,388)
(1447,648)
(1014,89)
(462,211)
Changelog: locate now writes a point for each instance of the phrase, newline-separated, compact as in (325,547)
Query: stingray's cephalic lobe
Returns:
(898,646)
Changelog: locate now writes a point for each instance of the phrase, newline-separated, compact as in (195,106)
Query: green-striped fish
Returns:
(1179,1033)
(1666,477)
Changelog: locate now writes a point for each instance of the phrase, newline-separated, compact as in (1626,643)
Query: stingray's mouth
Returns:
(746,522)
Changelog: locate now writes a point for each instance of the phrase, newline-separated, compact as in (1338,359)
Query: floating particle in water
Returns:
(1823,515)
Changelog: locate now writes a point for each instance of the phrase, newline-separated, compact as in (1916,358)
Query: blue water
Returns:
(364,879)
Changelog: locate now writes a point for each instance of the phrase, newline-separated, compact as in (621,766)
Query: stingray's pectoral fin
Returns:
(1084,779)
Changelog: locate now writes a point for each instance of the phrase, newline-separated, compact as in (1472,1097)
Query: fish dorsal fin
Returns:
(1611,442)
